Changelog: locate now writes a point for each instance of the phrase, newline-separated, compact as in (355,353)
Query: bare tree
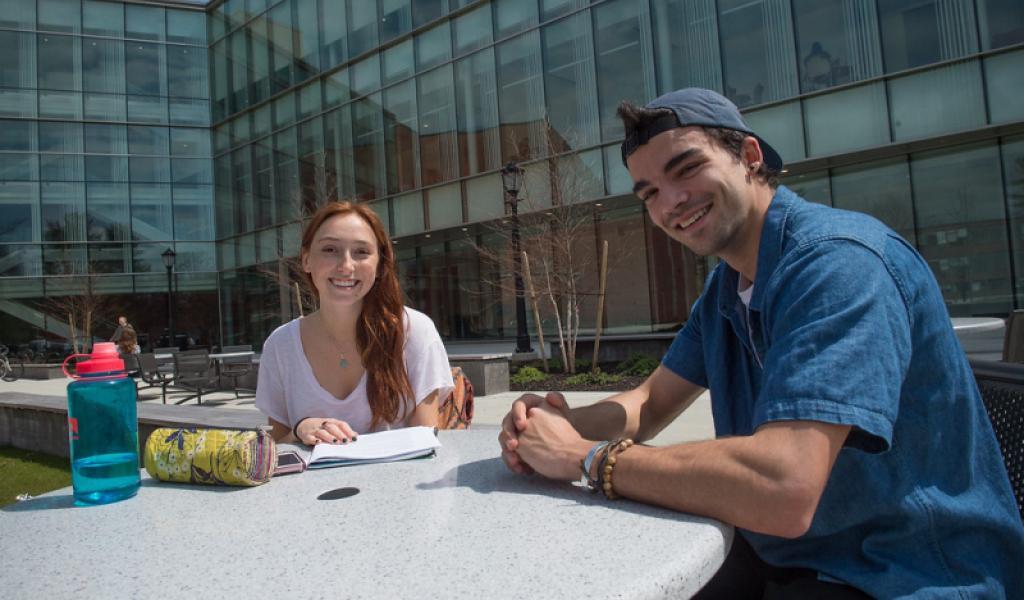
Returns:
(557,232)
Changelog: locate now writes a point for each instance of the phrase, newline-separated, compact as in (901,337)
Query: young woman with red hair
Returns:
(363,361)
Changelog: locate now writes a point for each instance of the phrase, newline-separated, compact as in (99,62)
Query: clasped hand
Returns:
(537,436)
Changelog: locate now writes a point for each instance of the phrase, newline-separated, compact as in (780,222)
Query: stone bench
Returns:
(487,372)
(40,423)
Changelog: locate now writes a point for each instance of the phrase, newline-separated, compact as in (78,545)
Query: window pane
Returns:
(18,69)
(521,97)
(151,211)
(624,70)
(59,15)
(401,135)
(782,127)
(1002,23)
(187,111)
(473,30)
(187,74)
(846,120)
(398,62)
(439,151)
(309,100)
(20,202)
(279,23)
(61,167)
(108,211)
(569,82)
(106,168)
(336,89)
(916,32)
(333,29)
(145,68)
(477,111)
(105,107)
(366,75)
(368,147)
(616,176)
(758,50)
(62,211)
(239,99)
(18,135)
(686,44)
(148,140)
(880,189)
(1013,174)
(513,16)
(186,26)
(837,42)
(484,198)
(144,22)
(60,137)
(395,20)
(60,62)
(408,212)
(433,47)
(550,9)
(307,43)
(147,109)
(445,205)
(424,11)
(104,18)
(106,139)
(193,212)
(18,15)
(60,105)
(954,98)
(1005,86)
(18,103)
(362,23)
(103,68)
(19,167)
(813,187)
(961,224)
(190,142)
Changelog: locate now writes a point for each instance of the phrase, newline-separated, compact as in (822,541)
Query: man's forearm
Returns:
(629,415)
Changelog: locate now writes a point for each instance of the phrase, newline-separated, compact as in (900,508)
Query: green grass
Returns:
(25,472)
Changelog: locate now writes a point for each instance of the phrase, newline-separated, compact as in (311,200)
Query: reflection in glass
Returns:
(398,62)
(880,189)
(395,19)
(961,227)
(59,15)
(333,29)
(186,26)
(521,97)
(1005,87)
(439,152)
(151,211)
(425,11)
(477,113)
(757,50)
(362,27)
(366,75)
(686,44)
(813,187)
(473,30)
(62,211)
(186,72)
(433,47)
(105,18)
(18,69)
(847,120)
(837,42)
(145,68)
(623,40)
(60,62)
(307,43)
(279,25)
(19,201)
(408,213)
(513,16)
(107,208)
(782,127)
(144,22)
(103,66)
(401,136)
(916,32)
(955,101)
(1013,174)
(61,167)
(1001,23)
(569,82)
(445,205)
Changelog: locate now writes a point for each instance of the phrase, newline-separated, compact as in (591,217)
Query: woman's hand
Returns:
(314,430)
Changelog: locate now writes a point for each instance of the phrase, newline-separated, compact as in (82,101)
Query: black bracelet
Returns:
(295,430)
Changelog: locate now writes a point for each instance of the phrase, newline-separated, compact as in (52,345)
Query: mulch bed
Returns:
(556,382)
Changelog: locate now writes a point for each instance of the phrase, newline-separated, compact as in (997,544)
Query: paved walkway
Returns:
(695,424)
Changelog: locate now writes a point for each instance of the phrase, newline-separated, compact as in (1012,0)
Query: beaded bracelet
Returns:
(606,470)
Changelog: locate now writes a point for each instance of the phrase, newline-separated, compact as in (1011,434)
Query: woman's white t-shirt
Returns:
(287,390)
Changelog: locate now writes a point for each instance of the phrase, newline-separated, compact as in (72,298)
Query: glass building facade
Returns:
(212,129)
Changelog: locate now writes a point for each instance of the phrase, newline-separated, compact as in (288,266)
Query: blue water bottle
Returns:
(103,428)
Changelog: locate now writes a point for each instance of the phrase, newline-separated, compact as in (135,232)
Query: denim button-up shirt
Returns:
(847,326)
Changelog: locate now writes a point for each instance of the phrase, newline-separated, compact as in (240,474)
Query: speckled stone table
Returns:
(458,525)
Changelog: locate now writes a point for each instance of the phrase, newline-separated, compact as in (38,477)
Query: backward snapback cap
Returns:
(696,107)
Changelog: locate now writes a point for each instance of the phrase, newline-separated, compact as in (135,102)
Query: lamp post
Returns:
(169,256)
(511,180)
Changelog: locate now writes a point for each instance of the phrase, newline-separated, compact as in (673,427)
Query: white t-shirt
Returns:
(287,390)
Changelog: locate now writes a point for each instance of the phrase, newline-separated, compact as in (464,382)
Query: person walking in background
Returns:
(362,361)
(853,453)
(122,323)
(129,341)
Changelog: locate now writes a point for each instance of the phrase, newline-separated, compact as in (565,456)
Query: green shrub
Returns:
(598,378)
(526,375)
(638,364)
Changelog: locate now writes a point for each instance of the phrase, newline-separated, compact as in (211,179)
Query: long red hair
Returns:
(380,330)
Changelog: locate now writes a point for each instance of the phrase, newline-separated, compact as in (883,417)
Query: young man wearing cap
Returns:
(852,450)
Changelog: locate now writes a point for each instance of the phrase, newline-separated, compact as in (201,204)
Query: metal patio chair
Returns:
(151,374)
(1002,389)
(194,373)
(237,366)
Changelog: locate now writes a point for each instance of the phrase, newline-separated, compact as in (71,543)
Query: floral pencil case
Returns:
(211,456)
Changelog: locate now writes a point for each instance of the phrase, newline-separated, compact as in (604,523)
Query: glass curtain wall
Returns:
(414,106)
(105,162)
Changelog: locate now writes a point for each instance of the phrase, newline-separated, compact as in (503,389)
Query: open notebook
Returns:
(383,446)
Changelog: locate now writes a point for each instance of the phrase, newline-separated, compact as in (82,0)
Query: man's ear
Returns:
(751,152)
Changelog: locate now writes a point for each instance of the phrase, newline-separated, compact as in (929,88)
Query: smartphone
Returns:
(289,461)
